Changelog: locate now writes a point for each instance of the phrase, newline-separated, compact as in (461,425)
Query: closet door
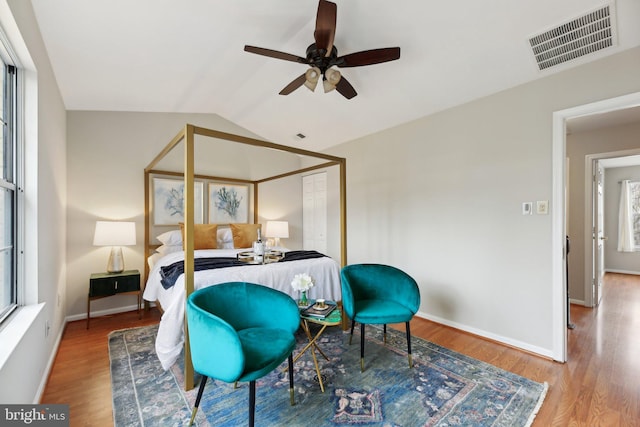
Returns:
(314,212)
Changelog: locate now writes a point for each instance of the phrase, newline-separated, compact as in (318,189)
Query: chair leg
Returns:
(291,394)
(409,346)
(353,324)
(252,402)
(361,347)
(203,381)
(384,333)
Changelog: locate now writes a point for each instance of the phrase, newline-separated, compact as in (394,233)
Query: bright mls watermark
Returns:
(34,415)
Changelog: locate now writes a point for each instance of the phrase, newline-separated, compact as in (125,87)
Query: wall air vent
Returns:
(579,37)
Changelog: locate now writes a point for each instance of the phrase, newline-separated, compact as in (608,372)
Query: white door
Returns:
(314,212)
(599,238)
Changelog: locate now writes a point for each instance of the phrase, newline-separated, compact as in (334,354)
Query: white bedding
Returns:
(324,271)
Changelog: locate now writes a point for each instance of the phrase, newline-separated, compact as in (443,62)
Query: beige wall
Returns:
(580,145)
(441,198)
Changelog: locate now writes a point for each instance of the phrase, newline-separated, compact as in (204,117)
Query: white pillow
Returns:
(171,238)
(167,249)
(174,238)
(224,236)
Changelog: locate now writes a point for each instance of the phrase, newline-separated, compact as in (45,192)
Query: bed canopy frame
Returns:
(187,136)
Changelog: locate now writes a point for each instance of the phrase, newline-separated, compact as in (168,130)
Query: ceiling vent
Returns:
(579,37)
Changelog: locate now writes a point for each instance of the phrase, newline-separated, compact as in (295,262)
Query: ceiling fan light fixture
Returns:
(322,54)
(312,76)
(331,79)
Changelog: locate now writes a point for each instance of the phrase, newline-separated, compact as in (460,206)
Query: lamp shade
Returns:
(312,76)
(332,77)
(277,229)
(114,233)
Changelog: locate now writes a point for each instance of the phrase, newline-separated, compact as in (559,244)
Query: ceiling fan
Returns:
(322,56)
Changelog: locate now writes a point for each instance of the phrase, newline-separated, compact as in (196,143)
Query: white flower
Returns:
(302,282)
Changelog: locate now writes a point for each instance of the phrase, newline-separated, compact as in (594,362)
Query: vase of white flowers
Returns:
(302,283)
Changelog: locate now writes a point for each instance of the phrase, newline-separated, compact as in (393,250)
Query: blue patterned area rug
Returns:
(444,388)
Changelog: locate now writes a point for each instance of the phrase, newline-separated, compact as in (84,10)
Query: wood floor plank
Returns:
(598,386)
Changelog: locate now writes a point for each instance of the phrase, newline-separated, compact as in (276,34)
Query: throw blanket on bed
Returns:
(170,273)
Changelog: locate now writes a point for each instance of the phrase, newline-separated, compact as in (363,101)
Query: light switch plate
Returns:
(527,208)
(542,207)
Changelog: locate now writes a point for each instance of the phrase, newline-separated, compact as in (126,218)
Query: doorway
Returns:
(558,211)
(603,238)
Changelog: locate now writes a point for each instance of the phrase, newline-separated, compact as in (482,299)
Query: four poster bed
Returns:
(201,260)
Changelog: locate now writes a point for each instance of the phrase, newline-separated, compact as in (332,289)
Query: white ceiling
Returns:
(187,56)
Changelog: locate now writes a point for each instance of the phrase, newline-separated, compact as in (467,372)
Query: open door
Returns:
(599,238)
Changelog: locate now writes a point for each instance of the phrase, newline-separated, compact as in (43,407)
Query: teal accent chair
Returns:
(378,294)
(240,332)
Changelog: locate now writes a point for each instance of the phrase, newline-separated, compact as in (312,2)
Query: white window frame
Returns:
(17,121)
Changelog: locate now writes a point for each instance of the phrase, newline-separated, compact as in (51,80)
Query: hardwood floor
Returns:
(80,376)
(598,386)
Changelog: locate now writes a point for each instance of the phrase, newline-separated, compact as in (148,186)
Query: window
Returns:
(8,187)
(634,190)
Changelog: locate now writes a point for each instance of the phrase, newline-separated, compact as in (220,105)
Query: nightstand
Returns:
(102,285)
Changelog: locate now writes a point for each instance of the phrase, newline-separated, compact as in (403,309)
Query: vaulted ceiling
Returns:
(187,56)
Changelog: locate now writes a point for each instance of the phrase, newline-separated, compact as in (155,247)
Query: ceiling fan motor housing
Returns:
(318,57)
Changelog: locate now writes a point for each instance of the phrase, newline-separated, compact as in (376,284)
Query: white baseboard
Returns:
(577,302)
(547,353)
(49,367)
(610,270)
(99,313)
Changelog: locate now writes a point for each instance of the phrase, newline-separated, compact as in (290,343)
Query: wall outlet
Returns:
(527,208)
(542,207)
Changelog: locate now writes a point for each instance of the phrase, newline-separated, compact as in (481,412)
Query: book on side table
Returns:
(319,310)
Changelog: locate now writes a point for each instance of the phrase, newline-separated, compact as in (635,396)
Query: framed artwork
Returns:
(168,201)
(228,203)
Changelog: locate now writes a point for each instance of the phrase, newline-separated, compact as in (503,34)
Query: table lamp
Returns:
(277,229)
(115,234)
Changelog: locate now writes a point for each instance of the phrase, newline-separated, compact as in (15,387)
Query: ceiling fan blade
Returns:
(345,88)
(299,81)
(368,57)
(325,26)
(275,54)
